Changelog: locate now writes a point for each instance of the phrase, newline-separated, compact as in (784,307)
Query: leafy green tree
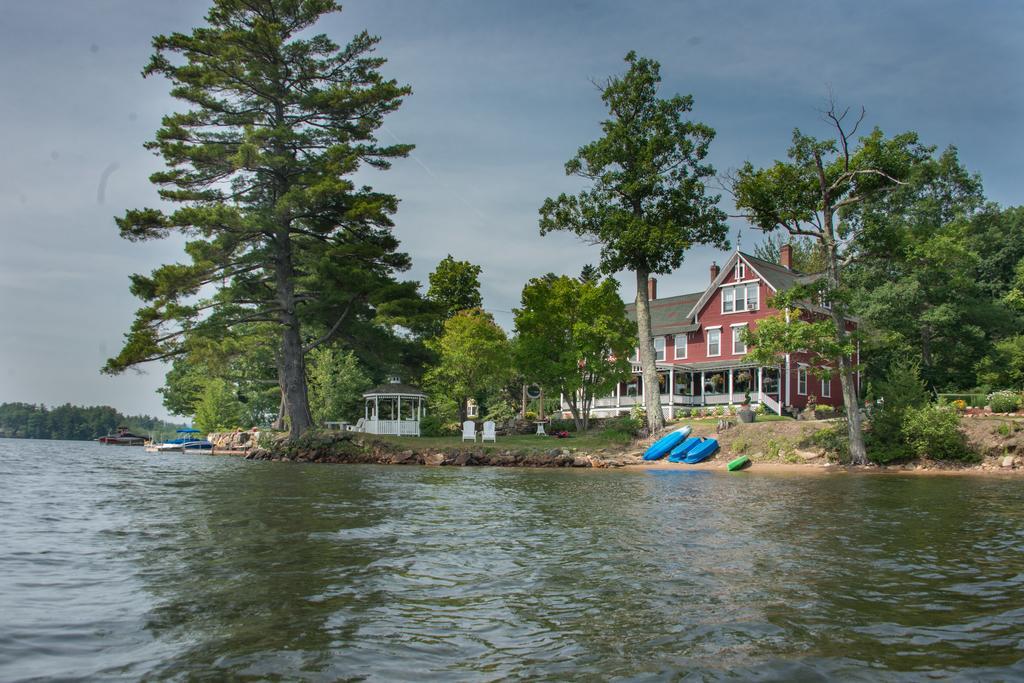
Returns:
(807,197)
(218,408)
(915,275)
(474,358)
(807,256)
(455,286)
(1003,366)
(336,385)
(647,203)
(573,336)
(997,236)
(900,391)
(262,161)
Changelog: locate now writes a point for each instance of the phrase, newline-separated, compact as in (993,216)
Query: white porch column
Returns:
(787,380)
(671,392)
(618,394)
(760,385)
(730,385)
(703,394)
(399,415)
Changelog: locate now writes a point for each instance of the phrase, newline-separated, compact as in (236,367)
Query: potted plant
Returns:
(745,414)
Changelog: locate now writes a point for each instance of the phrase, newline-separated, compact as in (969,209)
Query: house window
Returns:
(659,348)
(826,388)
(801,381)
(680,349)
(740,298)
(714,339)
(741,270)
(738,346)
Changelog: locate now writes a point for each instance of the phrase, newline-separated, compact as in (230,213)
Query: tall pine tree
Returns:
(261,163)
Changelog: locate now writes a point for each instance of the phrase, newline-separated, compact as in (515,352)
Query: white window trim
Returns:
(735,339)
(741,270)
(734,284)
(707,341)
(746,306)
(675,346)
(801,373)
(663,350)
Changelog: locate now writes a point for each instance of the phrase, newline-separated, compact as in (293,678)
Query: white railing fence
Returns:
(392,427)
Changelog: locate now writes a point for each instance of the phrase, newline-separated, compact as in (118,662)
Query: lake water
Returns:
(118,564)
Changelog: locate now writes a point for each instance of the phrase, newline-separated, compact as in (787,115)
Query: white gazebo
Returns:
(393,408)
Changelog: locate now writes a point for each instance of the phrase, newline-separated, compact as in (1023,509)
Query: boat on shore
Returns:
(123,437)
(187,442)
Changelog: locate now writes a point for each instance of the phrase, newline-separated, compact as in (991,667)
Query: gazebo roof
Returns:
(394,387)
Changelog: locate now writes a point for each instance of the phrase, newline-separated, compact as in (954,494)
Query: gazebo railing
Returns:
(393,427)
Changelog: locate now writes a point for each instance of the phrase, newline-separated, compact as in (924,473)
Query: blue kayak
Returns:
(703,451)
(662,446)
(679,452)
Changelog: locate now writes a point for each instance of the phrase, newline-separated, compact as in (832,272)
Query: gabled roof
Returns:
(777,276)
(670,315)
(675,314)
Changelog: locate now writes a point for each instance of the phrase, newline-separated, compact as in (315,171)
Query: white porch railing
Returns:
(771,404)
(392,427)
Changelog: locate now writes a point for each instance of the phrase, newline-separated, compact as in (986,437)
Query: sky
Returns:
(503,95)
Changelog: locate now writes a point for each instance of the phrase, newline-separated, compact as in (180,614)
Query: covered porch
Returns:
(703,384)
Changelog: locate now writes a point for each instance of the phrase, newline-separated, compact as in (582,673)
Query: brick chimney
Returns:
(786,256)
(652,289)
(714,270)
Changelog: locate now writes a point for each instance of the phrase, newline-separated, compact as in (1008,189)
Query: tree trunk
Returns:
(292,373)
(652,393)
(282,413)
(858,454)
(851,399)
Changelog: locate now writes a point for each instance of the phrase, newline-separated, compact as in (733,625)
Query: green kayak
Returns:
(738,463)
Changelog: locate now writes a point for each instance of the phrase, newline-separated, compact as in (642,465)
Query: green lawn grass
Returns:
(593,440)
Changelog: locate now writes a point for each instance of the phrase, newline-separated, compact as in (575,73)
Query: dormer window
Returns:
(741,270)
(739,298)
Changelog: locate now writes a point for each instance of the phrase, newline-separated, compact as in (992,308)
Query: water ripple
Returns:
(122,565)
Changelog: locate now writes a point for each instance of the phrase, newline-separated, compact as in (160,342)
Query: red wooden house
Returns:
(701,357)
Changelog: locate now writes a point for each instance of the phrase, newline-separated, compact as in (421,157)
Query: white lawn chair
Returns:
(358,426)
(469,431)
(488,434)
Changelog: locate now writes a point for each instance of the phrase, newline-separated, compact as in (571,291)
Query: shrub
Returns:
(621,429)
(719,411)
(824,409)
(960,405)
(685,412)
(435,425)
(759,409)
(563,426)
(530,416)
(901,390)
(934,431)
(1004,401)
(638,413)
(501,412)
(834,439)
